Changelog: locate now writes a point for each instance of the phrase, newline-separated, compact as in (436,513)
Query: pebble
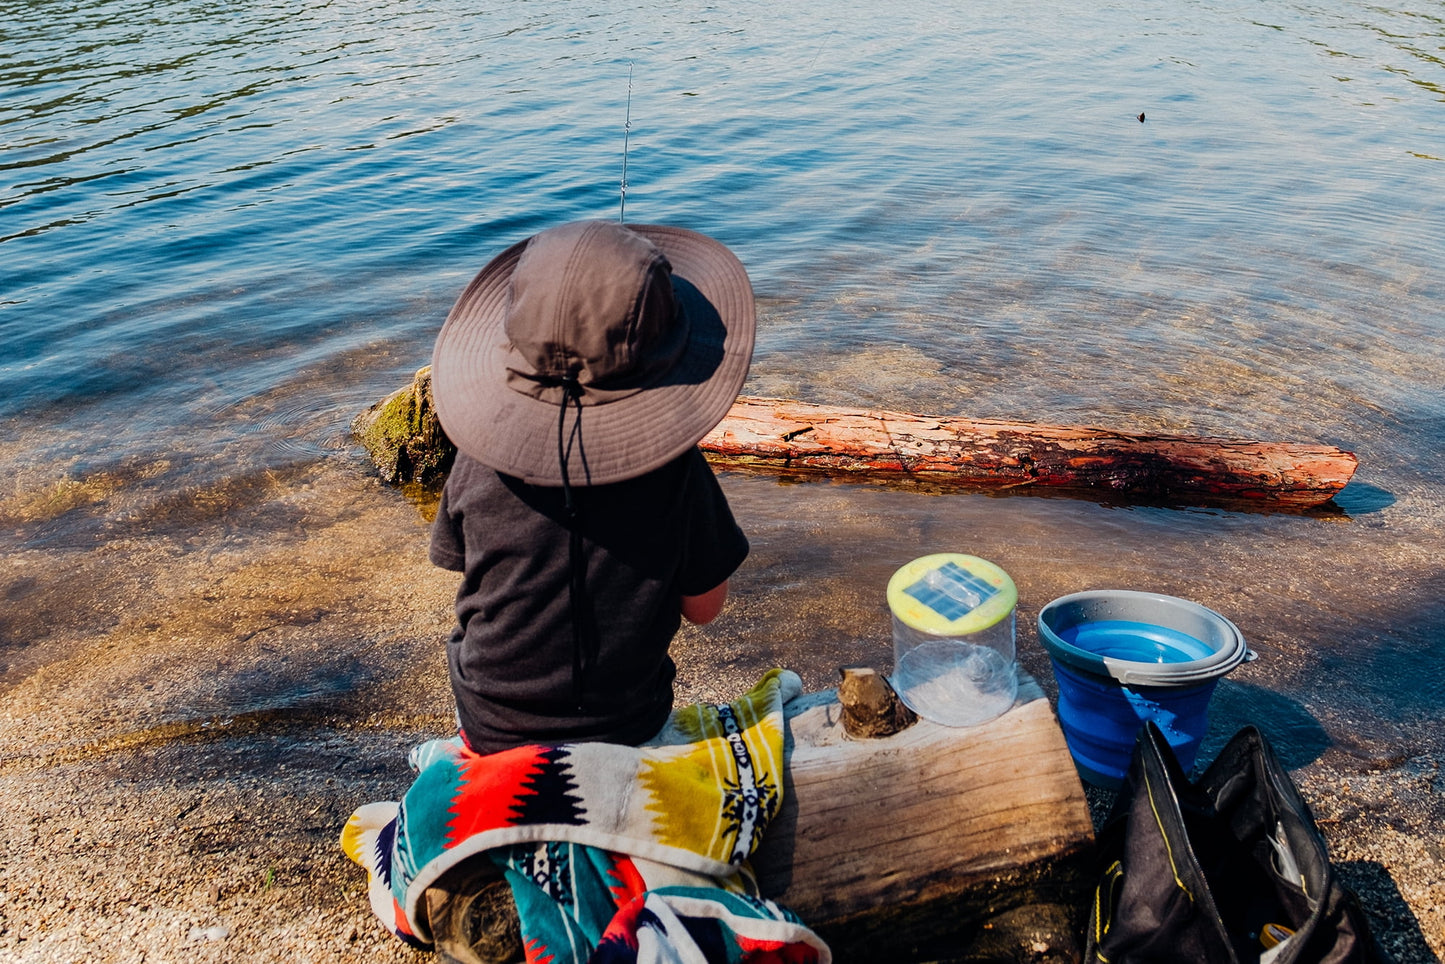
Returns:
(217,932)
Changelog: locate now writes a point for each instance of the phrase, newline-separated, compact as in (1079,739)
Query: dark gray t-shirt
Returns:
(647,542)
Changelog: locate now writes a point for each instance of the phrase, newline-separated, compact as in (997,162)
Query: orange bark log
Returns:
(996,454)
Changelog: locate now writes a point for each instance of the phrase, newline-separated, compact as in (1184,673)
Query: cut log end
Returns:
(473,916)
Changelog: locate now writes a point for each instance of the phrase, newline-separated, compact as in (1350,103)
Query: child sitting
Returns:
(576,374)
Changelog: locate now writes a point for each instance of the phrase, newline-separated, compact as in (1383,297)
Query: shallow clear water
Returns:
(227,227)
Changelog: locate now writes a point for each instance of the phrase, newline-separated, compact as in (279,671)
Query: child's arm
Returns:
(704,609)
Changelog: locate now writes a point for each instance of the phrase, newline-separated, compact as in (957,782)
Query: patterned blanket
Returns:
(665,827)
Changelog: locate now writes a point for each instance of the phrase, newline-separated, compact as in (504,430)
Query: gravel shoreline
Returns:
(198,712)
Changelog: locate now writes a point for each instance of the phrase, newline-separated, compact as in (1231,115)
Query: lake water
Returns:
(225,228)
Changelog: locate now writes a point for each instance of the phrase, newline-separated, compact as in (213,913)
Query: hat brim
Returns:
(516,433)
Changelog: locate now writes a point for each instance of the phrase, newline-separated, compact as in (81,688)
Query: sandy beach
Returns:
(172,789)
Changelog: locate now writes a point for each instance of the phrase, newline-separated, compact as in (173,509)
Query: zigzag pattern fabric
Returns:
(692,803)
(579,903)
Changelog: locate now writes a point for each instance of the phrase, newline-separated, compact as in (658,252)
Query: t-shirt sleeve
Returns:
(716,545)
(448,549)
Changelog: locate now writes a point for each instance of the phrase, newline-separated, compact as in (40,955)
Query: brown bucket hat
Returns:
(629,341)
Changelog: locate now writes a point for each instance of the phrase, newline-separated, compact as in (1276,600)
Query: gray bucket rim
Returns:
(1134,673)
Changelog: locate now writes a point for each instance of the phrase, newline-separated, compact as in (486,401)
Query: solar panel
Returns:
(952,591)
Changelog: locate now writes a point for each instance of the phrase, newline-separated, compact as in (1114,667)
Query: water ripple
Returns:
(198,196)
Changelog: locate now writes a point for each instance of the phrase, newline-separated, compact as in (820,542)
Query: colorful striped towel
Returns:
(690,805)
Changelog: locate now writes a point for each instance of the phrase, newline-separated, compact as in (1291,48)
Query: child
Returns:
(576,374)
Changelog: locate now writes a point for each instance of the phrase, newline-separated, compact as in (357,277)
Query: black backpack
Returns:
(1230,869)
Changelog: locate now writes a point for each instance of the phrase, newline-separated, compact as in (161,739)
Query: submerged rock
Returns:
(402,435)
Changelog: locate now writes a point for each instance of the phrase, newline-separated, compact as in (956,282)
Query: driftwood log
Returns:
(407,445)
(993,454)
(929,843)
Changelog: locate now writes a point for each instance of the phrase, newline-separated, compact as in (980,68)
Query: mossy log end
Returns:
(935,843)
(402,435)
(405,441)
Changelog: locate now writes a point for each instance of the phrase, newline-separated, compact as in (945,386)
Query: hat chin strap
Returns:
(584,643)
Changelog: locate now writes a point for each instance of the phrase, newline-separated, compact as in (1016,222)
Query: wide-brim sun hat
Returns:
(631,342)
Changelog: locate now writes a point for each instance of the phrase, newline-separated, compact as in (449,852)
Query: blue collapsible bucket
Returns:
(1122,658)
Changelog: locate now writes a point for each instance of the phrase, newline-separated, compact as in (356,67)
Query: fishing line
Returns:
(821,46)
(626,130)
